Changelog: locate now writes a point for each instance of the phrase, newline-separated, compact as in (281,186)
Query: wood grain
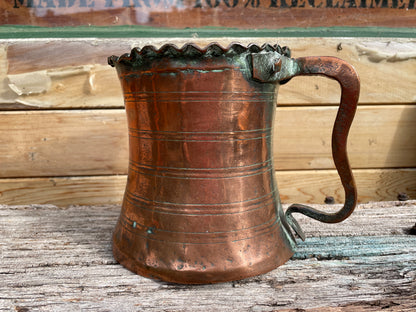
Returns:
(76,74)
(310,186)
(63,143)
(63,191)
(66,156)
(196,13)
(305,186)
(380,137)
(94,142)
(57,259)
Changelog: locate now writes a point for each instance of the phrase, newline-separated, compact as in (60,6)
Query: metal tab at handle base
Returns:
(348,79)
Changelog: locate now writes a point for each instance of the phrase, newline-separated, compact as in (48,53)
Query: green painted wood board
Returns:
(24,32)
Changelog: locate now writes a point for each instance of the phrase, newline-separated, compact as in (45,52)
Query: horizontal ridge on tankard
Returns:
(201,203)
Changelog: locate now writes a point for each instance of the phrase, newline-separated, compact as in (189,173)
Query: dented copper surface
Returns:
(201,203)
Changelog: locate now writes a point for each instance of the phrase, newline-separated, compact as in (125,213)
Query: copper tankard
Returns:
(201,203)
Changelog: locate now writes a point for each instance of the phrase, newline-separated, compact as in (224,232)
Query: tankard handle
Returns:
(348,79)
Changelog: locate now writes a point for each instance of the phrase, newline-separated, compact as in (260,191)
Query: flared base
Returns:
(202,263)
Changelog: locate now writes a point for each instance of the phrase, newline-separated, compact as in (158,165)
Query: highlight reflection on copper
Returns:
(201,203)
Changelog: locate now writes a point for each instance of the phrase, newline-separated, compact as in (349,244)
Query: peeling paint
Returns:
(25,88)
(390,51)
(32,103)
(41,81)
(30,83)
(92,83)
(69,71)
(7,96)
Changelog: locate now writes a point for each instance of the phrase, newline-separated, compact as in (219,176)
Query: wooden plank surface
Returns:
(76,74)
(63,191)
(196,13)
(313,186)
(304,186)
(94,142)
(56,259)
(63,143)
(77,147)
(380,137)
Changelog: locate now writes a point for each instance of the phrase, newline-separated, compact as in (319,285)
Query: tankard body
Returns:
(201,203)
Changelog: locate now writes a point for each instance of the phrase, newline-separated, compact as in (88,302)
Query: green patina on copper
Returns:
(258,62)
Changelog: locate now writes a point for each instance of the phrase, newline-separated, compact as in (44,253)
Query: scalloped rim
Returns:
(192,50)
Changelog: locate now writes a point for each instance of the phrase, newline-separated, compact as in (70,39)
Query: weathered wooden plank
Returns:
(63,191)
(313,186)
(402,304)
(367,220)
(63,143)
(75,72)
(305,186)
(381,136)
(195,13)
(57,259)
(94,142)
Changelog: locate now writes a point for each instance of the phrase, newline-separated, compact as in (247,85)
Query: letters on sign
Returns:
(167,4)
(180,14)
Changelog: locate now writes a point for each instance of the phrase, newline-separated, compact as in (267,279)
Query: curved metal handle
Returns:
(348,79)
